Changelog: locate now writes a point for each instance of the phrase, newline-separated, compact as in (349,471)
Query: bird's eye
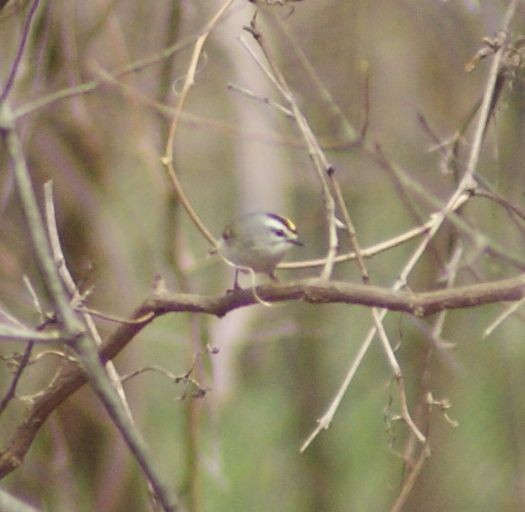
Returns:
(279,232)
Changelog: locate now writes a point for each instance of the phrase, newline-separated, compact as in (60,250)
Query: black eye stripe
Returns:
(278,232)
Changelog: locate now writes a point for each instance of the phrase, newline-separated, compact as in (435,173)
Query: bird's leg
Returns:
(235,283)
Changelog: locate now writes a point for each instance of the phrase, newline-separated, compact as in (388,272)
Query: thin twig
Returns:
(71,327)
(425,406)
(398,375)
(457,198)
(459,195)
(90,86)
(112,318)
(325,421)
(34,298)
(468,180)
(349,133)
(22,364)
(262,99)
(368,252)
(54,353)
(167,159)
(409,484)
(508,205)
(352,235)
(376,314)
(9,317)
(73,291)
(186,377)
(23,361)
(20,50)
(501,318)
(321,165)
(44,260)
(71,287)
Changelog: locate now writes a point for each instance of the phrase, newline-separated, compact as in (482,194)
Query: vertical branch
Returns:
(20,51)
(315,151)
(378,316)
(488,96)
(35,225)
(72,328)
(73,291)
(425,405)
(467,181)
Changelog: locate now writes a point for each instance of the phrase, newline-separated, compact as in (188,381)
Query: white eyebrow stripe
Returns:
(283,220)
(275,224)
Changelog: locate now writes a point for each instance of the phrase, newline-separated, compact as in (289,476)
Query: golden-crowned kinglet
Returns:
(257,241)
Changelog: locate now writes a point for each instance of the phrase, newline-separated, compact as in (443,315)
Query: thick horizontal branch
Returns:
(70,376)
(317,291)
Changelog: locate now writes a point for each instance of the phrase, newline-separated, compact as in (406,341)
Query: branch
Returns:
(72,329)
(90,86)
(315,152)
(11,333)
(71,377)
(20,50)
(21,366)
(167,159)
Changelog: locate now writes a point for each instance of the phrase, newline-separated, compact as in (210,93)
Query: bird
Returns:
(257,241)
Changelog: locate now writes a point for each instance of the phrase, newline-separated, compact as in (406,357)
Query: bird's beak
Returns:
(297,242)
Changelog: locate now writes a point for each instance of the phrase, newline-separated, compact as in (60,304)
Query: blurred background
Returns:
(278,368)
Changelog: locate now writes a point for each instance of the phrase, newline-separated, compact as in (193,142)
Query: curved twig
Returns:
(167,159)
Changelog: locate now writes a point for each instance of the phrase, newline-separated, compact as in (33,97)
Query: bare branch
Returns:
(71,377)
(71,328)
(11,333)
(167,159)
(92,85)
(321,165)
(18,58)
